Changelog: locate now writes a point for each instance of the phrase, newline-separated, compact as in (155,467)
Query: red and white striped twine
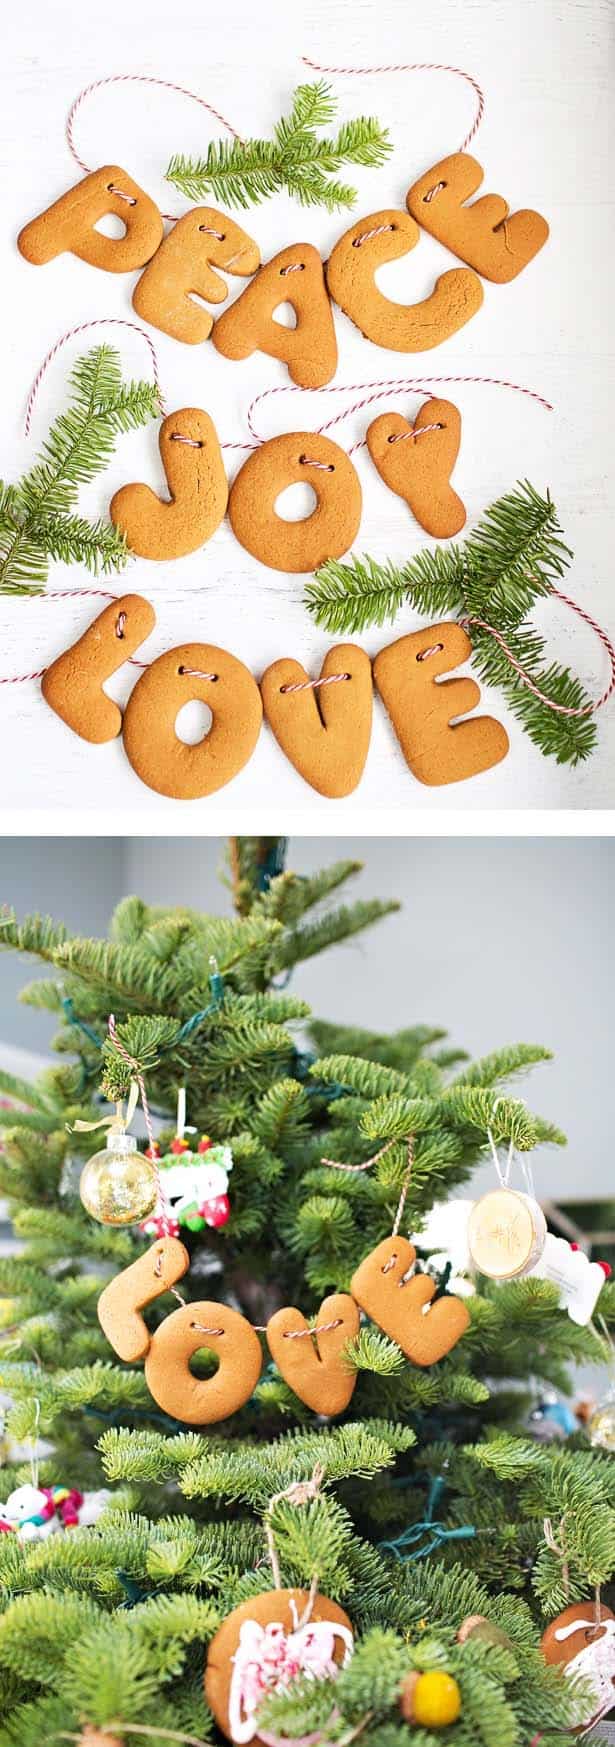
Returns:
(105,321)
(415,67)
(419,384)
(137,79)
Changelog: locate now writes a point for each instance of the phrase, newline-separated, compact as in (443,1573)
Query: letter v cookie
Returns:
(69,226)
(192,461)
(497,242)
(324,729)
(121,1303)
(400,1306)
(416,461)
(421,706)
(73,685)
(313,1365)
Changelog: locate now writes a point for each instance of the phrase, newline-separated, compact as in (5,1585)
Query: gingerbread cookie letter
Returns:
(69,226)
(192,460)
(398,1305)
(72,685)
(203,1401)
(414,327)
(497,242)
(298,457)
(313,1365)
(310,349)
(406,674)
(417,460)
(185,265)
(167,764)
(324,729)
(120,1304)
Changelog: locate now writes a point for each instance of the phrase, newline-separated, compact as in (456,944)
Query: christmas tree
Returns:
(422,1511)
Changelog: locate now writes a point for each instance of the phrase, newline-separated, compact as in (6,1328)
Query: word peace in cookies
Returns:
(323,726)
(416,462)
(182,268)
(415,327)
(313,1362)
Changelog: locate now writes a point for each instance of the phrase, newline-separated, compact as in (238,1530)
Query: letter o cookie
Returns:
(297,457)
(324,730)
(69,225)
(415,327)
(192,461)
(167,764)
(195,1400)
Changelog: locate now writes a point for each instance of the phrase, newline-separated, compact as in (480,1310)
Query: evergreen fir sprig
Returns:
(38,522)
(513,557)
(297,159)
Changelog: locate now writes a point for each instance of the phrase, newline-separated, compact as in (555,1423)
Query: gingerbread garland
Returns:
(327,742)
(418,327)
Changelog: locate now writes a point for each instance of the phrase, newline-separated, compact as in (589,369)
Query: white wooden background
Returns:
(544,67)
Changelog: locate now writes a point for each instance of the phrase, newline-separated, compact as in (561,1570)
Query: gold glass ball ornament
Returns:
(506,1234)
(601,1427)
(432,1699)
(119,1185)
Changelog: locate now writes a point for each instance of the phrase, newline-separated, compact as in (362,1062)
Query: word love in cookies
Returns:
(322,725)
(313,1362)
(188,264)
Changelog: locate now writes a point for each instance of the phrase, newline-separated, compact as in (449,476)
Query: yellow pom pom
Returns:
(436,1700)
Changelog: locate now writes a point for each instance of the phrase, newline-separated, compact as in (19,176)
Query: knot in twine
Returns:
(300,1492)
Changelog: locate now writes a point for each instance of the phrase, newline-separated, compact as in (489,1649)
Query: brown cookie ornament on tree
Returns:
(582,1640)
(265,1644)
(313,1364)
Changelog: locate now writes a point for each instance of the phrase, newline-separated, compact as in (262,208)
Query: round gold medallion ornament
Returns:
(506,1234)
(119,1185)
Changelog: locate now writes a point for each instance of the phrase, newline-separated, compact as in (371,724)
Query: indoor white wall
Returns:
(498,940)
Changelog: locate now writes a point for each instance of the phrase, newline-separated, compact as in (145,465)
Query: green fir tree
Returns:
(425,1500)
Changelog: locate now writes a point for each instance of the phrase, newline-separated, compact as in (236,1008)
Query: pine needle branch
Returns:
(246,172)
(514,556)
(36,519)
